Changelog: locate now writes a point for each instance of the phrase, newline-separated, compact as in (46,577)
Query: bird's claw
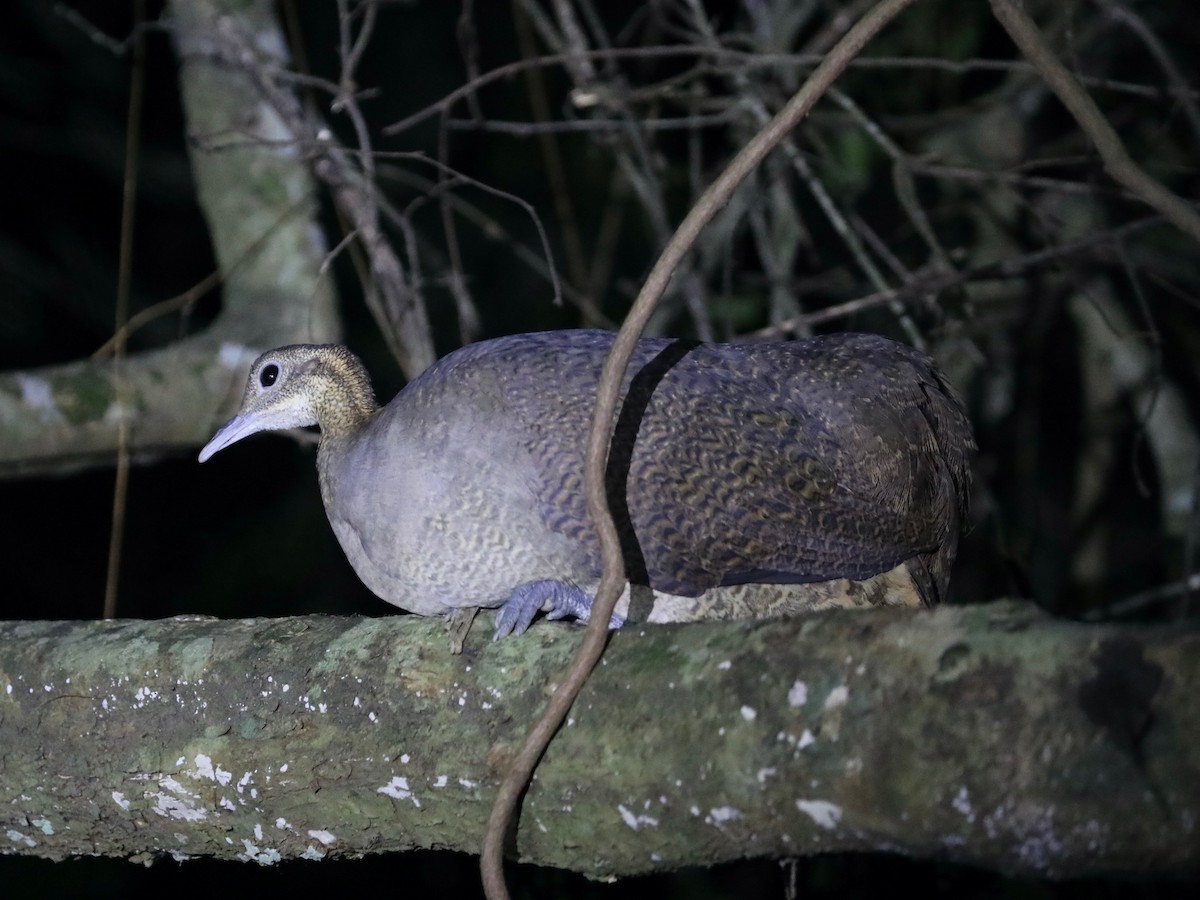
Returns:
(560,599)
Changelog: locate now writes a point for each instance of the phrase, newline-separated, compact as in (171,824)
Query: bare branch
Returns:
(938,283)
(1106,140)
(755,60)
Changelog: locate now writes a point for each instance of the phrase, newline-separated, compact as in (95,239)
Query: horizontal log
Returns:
(988,734)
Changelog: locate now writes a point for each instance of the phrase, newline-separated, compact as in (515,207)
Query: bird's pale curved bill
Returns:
(232,431)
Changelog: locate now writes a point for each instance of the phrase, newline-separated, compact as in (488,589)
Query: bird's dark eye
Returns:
(269,375)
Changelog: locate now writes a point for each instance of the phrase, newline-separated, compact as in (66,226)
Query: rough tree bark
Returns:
(988,734)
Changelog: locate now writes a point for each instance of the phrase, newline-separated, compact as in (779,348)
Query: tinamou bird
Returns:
(745,479)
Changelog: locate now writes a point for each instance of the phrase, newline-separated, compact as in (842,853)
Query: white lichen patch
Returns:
(962,803)
(798,694)
(38,395)
(719,815)
(1039,842)
(763,774)
(311,700)
(143,695)
(267,857)
(206,769)
(837,697)
(17,838)
(325,837)
(175,807)
(117,412)
(635,820)
(43,825)
(749,713)
(440,781)
(398,789)
(119,799)
(799,743)
(725,665)
(825,814)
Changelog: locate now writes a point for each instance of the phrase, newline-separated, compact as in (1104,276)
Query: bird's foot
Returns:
(559,598)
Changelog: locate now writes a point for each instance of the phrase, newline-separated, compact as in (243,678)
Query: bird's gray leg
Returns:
(560,598)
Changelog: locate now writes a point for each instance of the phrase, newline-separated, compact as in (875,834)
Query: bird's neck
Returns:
(342,418)
(344,402)
(346,415)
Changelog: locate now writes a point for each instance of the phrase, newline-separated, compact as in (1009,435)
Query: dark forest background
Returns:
(1066,312)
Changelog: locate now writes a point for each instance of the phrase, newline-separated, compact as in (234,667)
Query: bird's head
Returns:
(297,386)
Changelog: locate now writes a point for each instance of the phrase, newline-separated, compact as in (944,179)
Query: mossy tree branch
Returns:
(987,734)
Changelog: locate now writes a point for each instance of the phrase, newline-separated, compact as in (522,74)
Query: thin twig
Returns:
(393,298)
(1092,122)
(902,177)
(599,436)
(111,44)
(937,284)
(967,173)
(195,292)
(503,195)
(1138,604)
(817,188)
(489,228)
(456,279)
(351,58)
(578,126)
(133,132)
(1118,12)
(756,60)
(609,232)
(552,159)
